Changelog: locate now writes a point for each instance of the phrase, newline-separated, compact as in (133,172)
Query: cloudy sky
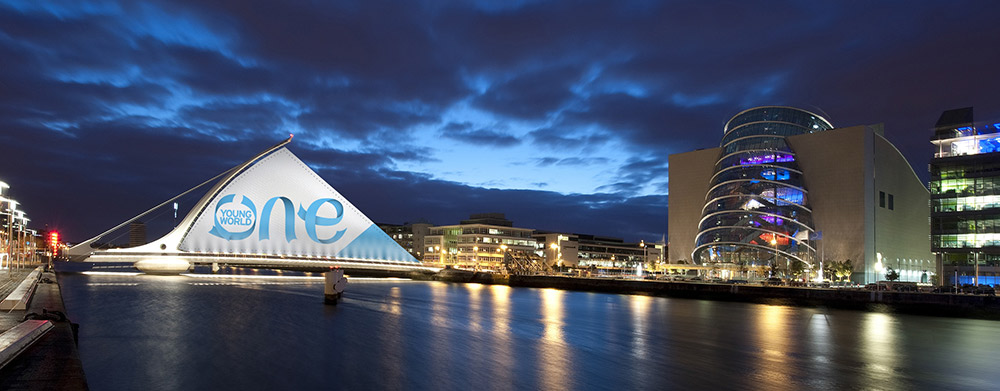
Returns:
(559,114)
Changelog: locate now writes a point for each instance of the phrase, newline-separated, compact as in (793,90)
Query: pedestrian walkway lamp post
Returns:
(774,242)
(11,206)
(645,255)
(555,247)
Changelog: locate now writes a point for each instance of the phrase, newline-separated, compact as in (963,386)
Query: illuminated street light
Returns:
(645,256)
(878,265)
(774,242)
(11,207)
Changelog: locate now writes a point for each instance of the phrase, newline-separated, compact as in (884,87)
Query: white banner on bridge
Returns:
(279,206)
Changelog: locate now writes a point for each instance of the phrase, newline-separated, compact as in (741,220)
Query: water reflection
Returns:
(475,307)
(878,345)
(640,318)
(773,345)
(501,362)
(552,352)
(140,332)
(819,344)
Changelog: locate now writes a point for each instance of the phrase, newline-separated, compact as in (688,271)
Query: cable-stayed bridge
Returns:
(270,211)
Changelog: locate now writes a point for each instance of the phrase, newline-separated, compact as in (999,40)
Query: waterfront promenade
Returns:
(52,362)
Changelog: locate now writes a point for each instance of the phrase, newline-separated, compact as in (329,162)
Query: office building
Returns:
(409,236)
(481,242)
(599,252)
(965,198)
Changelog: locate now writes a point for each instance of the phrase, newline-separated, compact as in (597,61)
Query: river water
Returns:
(209,333)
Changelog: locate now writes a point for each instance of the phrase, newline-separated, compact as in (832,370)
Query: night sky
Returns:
(559,114)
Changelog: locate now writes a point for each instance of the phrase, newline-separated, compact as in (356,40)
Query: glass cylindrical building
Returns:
(757,209)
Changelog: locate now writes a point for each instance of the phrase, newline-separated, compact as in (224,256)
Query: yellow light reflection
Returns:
(774,341)
(475,307)
(553,350)
(640,312)
(439,307)
(878,336)
(391,304)
(440,334)
(501,309)
(502,361)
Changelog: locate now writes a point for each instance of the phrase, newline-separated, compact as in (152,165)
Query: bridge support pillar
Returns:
(334,287)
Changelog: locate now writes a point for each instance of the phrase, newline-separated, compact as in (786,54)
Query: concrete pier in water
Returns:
(334,286)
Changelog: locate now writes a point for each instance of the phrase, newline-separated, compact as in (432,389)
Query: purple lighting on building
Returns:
(773,220)
(771,158)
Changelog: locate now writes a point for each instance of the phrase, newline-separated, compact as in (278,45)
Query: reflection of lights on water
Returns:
(640,313)
(93,273)
(392,304)
(250,277)
(270,277)
(475,308)
(554,351)
(879,336)
(501,310)
(775,345)
(552,312)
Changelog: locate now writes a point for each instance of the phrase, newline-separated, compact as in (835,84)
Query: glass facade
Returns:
(757,208)
(965,192)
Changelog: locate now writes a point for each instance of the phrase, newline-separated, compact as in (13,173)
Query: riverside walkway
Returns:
(52,361)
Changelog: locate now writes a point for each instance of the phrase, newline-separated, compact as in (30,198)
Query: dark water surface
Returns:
(187,333)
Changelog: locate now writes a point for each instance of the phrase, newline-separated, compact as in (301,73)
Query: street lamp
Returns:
(774,242)
(555,247)
(645,254)
(11,207)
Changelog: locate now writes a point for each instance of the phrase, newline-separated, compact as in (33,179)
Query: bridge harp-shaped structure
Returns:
(270,211)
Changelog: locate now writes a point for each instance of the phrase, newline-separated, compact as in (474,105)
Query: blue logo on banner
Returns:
(232,216)
(237,222)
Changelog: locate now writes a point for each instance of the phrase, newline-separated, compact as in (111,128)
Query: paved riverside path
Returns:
(52,362)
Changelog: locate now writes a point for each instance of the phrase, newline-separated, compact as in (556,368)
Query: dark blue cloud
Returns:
(137,101)
(464,132)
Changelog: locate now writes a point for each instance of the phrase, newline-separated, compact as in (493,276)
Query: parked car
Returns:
(774,281)
(944,289)
(820,284)
(984,289)
(737,281)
